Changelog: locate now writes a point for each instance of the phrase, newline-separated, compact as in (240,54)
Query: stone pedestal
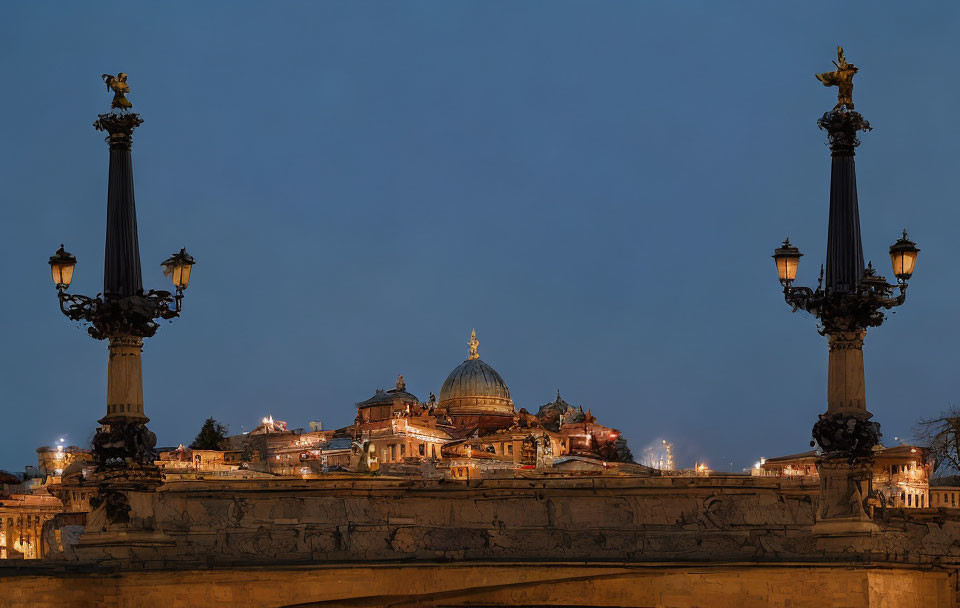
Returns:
(123,523)
(842,508)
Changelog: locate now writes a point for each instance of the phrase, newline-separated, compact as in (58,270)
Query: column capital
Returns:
(847,340)
(119,127)
(842,127)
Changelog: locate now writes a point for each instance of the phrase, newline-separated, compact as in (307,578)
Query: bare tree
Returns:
(942,434)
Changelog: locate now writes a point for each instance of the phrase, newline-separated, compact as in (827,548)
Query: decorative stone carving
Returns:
(115,505)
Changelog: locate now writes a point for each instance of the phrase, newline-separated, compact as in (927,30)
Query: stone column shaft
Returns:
(846,392)
(125,380)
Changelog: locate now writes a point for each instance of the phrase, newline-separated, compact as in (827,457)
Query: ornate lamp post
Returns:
(124,315)
(848,300)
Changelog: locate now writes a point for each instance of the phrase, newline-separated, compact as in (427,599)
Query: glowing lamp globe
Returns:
(787,258)
(61,266)
(903,255)
(178,267)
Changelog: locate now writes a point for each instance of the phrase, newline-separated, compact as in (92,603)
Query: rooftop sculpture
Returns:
(474,345)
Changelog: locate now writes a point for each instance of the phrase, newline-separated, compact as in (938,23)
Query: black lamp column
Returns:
(848,300)
(124,315)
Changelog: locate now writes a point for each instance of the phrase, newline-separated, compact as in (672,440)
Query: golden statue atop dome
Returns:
(842,78)
(474,344)
(118,84)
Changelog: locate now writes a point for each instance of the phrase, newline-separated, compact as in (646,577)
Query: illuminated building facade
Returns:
(473,429)
(945,493)
(901,474)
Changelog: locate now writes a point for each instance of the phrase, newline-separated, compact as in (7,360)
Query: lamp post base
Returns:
(124,513)
(846,490)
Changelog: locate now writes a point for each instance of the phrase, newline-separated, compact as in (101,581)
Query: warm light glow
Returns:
(61,268)
(903,262)
(62,274)
(903,256)
(787,268)
(178,268)
(181,276)
(787,258)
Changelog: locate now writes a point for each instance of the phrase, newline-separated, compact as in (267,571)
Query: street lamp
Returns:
(61,265)
(903,255)
(177,267)
(124,314)
(787,258)
(850,298)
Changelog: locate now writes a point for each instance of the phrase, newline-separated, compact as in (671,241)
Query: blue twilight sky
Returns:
(597,187)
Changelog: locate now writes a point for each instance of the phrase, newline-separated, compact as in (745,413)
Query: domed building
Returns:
(474,394)
(474,429)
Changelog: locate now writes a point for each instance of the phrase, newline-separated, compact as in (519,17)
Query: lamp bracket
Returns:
(134,315)
(847,311)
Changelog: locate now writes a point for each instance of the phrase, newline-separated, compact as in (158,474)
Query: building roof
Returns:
(898,451)
(902,450)
(382,397)
(812,454)
(553,415)
(950,481)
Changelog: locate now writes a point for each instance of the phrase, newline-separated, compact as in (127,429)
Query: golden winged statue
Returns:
(842,78)
(118,84)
